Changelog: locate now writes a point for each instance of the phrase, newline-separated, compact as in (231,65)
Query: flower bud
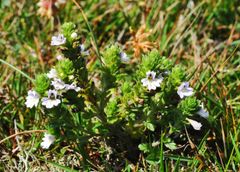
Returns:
(68,28)
(64,68)
(111,57)
(189,105)
(74,35)
(42,83)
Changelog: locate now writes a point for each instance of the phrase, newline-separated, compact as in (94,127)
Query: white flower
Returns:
(72,86)
(124,57)
(47,140)
(51,100)
(74,35)
(58,40)
(150,81)
(196,125)
(203,112)
(52,74)
(58,84)
(32,99)
(83,51)
(184,90)
(60,57)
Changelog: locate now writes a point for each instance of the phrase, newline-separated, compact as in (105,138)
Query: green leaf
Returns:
(144,147)
(171,145)
(42,83)
(149,126)
(153,158)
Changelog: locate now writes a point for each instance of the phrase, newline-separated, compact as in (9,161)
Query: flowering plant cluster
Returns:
(128,102)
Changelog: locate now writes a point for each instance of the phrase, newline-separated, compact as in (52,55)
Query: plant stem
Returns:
(21,133)
(90,30)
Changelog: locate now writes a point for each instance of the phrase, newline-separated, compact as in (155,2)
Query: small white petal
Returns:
(184,90)
(32,99)
(144,81)
(151,74)
(45,101)
(51,103)
(151,82)
(47,140)
(196,125)
(72,86)
(52,100)
(74,35)
(158,81)
(151,86)
(124,57)
(55,102)
(58,40)
(58,84)
(180,94)
(60,57)
(203,112)
(52,74)
(83,51)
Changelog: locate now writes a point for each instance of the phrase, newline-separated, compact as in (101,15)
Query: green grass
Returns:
(205,38)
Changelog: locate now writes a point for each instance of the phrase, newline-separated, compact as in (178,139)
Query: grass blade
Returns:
(18,70)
